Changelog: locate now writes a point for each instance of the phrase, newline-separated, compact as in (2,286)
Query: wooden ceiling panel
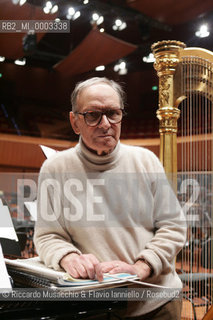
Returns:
(172,11)
(96,49)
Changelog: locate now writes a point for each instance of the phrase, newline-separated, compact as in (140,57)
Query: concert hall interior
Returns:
(125,41)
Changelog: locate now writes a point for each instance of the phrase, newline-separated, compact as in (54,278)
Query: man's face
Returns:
(103,137)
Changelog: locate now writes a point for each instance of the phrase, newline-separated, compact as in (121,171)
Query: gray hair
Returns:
(96,80)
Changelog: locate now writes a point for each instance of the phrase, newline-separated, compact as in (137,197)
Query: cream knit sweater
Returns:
(117,207)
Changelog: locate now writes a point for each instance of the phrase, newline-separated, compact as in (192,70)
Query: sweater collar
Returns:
(104,161)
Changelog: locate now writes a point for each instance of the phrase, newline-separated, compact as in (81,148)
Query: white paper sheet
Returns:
(32,208)
(6,225)
(48,152)
(4,279)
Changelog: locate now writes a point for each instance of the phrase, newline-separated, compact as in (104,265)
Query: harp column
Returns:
(166,55)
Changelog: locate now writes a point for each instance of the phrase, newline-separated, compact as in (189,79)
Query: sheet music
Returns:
(32,208)
(48,152)
(7,229)
(67,280)
(4,279)
(36,266)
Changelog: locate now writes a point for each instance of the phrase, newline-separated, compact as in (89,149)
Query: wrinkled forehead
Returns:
(98,94)
(97,88)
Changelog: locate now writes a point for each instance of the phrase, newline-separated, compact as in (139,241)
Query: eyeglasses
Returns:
(93,118)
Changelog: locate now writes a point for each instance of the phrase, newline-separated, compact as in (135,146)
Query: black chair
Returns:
(206,254)
(198,285)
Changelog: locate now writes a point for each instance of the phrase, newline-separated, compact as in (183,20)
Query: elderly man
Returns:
(108,206)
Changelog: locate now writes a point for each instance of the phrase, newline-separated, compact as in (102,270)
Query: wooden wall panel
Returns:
(18,153)
(23,154)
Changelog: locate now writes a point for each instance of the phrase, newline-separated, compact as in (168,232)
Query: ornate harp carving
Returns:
(183,73)
(167,59)
(185,112)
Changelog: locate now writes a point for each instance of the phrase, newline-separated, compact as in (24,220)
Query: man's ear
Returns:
(73,121)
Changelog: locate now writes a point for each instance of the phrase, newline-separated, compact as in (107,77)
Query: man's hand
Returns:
(80,266)
(87,266)
(141,269)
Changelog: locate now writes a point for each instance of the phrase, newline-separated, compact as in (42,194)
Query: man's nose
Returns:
(104,122)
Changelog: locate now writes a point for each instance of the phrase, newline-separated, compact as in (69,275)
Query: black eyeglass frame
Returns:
(102,113)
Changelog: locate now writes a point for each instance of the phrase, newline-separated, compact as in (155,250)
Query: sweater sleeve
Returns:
(51,238)
(169,225)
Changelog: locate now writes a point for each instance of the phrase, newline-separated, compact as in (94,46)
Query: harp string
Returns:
(196,123)
(193,69)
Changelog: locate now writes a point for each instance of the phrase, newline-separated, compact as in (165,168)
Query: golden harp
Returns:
(186,146)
